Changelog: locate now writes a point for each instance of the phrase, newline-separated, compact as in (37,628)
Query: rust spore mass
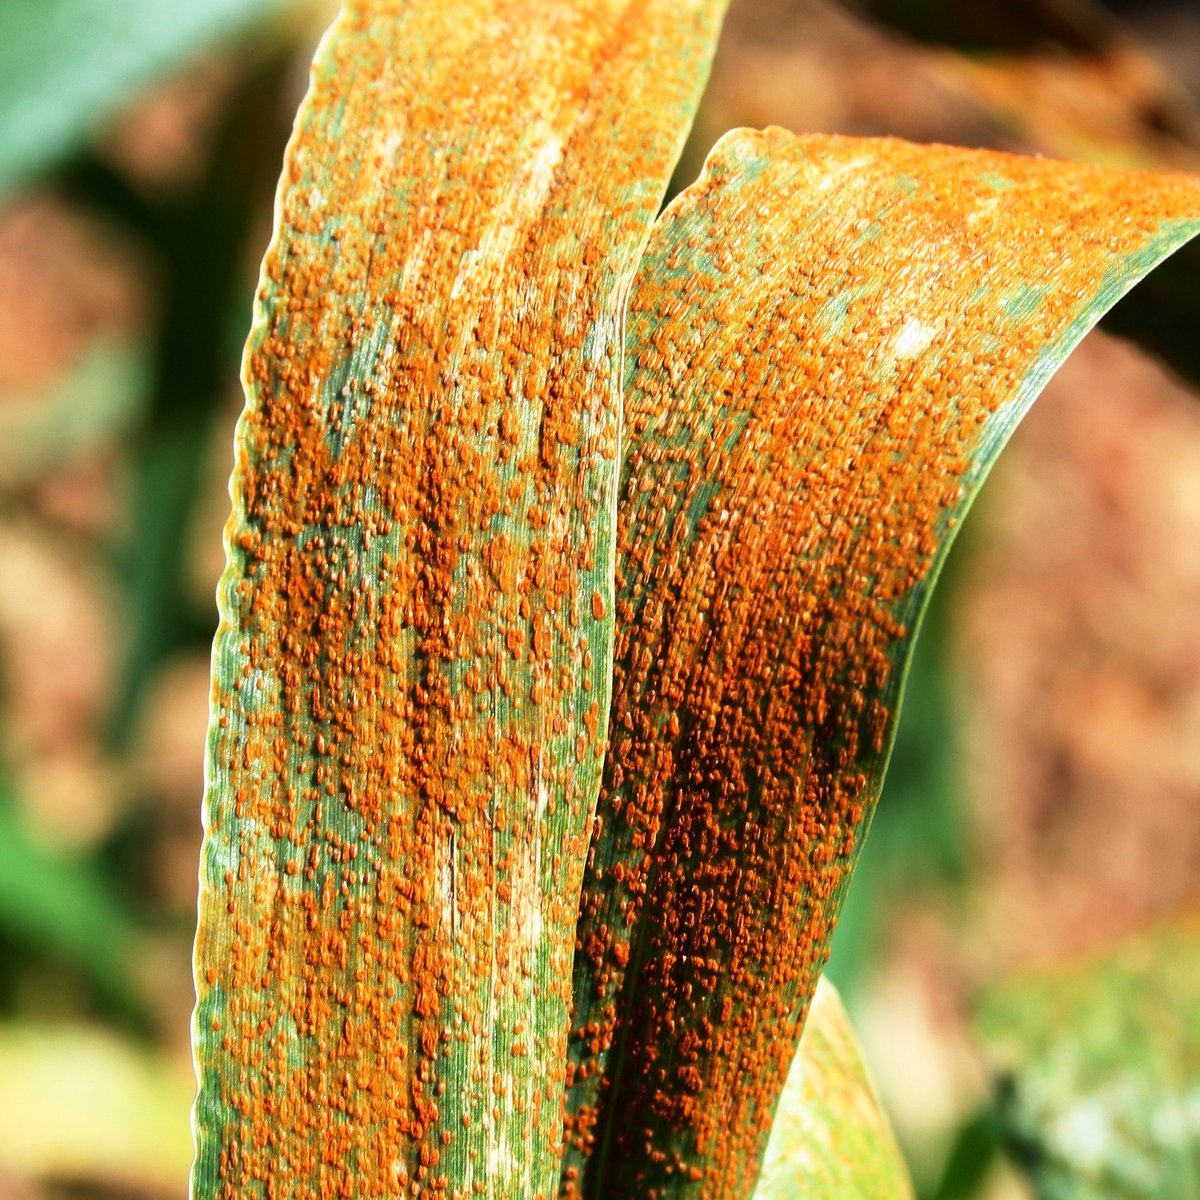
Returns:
(411,678)
(467,929)
(827,339)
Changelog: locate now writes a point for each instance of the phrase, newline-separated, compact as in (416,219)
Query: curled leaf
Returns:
(828,344)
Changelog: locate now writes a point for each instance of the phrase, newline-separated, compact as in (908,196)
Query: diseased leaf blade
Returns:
(1098,1068)
(830,1139)
(411,677)
(828,344)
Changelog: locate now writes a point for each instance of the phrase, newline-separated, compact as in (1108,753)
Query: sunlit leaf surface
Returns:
(828,344)
(412,673)
(830,1139)
(1098,1070)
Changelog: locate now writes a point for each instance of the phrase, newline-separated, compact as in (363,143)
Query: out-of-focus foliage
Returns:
(87,1103)
(139,146)
(1098,1069)
(65,908)
(830,1140)
(67,65)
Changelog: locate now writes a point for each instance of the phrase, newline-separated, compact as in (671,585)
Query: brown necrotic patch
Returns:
(828,342)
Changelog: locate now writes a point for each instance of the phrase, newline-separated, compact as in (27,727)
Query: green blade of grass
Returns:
(829,342)
(64,907)
(412,673)
(66,65)
(830,1139)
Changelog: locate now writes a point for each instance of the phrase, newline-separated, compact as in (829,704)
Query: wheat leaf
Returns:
(412,673)
(830,1139)
(828,344)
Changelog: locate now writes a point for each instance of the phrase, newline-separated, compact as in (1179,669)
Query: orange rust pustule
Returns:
(411,677)
(828,341)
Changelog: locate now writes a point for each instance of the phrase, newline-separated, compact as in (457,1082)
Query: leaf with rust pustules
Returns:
(829,342)
(411,677)
(431,592)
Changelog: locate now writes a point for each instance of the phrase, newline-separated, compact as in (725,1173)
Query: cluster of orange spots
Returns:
(828,340)
(411,677)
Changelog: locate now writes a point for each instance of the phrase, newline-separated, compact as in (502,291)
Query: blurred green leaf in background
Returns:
(1098,1069)
(139,146)
(68,65)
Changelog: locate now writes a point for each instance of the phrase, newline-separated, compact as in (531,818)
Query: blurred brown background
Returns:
(1045,796)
